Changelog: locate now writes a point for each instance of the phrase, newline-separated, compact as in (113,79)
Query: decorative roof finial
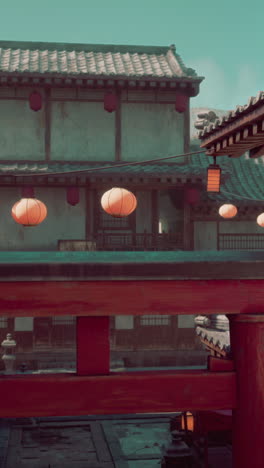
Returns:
(173,48)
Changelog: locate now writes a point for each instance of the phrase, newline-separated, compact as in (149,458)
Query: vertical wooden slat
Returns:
(88,214)
(118,155)
(187,235)
(93,345)
(186,137)
(47,125)
(155,216)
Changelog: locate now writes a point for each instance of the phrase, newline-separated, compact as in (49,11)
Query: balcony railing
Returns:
(144,241)
(241,242)
(126,241)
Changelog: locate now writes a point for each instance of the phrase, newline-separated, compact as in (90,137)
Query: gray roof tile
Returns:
(93,60)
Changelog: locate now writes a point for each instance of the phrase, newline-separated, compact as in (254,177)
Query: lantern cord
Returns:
(241,197)
(113,166)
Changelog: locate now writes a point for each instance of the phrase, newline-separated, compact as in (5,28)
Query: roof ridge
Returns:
(82,46)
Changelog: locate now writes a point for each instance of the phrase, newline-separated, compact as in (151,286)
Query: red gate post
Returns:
(247,341)
(93,345)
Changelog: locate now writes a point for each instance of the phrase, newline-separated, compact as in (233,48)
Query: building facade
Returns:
(70,115)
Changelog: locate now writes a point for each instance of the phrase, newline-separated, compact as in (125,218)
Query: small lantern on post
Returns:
(8,357)
(35,101)
(110,102)
(213,177)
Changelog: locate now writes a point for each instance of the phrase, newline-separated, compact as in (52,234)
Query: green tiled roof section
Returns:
(92,60)
(242,177)
(195,167)
(245,181)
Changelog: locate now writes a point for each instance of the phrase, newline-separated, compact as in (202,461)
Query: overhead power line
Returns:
(112,166)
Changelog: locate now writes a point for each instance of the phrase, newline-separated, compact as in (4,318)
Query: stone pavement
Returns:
(131,441)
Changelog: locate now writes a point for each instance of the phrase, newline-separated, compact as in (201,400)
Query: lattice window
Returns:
(155,320)
(108,222)
(3,322)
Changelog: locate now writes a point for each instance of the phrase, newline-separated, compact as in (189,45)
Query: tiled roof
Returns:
(240,111)
(197,167)
(244,183)
(93,60)
(243,176)
(216,338)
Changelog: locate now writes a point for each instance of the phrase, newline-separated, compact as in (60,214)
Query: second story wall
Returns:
(72,125)
(151,130)
(22,131)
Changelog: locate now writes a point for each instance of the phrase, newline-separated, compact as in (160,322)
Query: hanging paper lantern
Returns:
(227,211)
(73,195)
(110,102)
(192,196)
(27,192)
(29,211)
(182,102)
(260,220)
(213,178)
(118,202)
(35,101)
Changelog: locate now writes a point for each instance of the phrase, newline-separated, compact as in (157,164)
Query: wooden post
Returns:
(247,341)
(93,345)
(118,137)
(155,217)
(187,226)
(47,125)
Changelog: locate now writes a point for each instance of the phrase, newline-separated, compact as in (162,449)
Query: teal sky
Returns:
(222,41)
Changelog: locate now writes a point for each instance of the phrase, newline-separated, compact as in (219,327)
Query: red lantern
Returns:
(228,211)
(27,192)
(260,220)
(213,178)
(29,212)
(118,202)
(192,196)
(73,195)
(110,102)
(182,102)
(35,101)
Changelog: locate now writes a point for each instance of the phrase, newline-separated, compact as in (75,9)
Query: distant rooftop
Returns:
(230,116)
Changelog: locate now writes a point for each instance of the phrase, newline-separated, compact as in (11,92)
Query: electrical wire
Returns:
(113,166)
(134,163)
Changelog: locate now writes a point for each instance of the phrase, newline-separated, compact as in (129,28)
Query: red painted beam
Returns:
(93,345)
(98,298)
(133,392)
